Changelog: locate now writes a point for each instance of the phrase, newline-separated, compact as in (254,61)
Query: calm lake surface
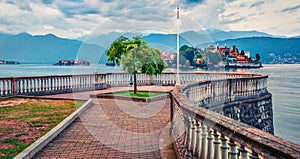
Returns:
(283,83)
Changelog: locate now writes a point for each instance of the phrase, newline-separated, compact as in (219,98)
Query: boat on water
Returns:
(110,64)
(243,65)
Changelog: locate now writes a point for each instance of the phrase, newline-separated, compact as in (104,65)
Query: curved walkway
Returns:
(116,129)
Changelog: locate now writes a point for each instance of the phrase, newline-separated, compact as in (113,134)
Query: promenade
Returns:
(113,128)
(110,128)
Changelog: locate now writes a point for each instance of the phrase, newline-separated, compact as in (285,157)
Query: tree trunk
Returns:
(134,84)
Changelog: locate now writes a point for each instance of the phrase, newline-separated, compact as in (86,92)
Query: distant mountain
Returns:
(167,42)
(223,35)
(26,48)
(4,36)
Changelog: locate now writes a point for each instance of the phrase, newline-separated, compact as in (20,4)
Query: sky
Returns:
(78,18)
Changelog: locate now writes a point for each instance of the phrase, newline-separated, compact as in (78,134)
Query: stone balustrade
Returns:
(41,85)
(212,92)
(201,133)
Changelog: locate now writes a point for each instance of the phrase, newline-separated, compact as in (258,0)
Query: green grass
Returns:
(140,94)
(30,120)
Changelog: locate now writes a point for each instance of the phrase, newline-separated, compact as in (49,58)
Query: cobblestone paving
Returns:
(115,129)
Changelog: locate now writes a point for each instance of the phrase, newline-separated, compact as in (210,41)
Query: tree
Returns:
(186,48)
(135,55)
(122,45)
(242,53)
(116,50)
(257,57)
(226,53)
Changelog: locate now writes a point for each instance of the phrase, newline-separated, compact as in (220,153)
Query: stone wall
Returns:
(256,112)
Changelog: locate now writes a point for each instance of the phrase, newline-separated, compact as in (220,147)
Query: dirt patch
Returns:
(7,146)
(14,101)
(21,131)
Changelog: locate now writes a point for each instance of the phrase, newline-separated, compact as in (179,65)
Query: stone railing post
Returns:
(217,146)
(224,147)
(203,141)
(243,152)
(209,144)
(233,154)
(14,86)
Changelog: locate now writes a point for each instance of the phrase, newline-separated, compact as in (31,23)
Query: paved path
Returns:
(114,128)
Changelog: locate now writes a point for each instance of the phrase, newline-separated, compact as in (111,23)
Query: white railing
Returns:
(69,83)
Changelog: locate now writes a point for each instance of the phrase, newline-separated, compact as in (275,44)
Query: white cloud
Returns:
(78,18)
(48,27)
(266,17)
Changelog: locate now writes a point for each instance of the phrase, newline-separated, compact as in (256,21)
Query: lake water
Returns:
(283,83)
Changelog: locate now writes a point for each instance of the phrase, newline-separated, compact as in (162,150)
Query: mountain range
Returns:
(49,48)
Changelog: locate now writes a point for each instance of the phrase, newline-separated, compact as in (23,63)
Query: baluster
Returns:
(254,155)
(198,139)
(38,84)
(9,87)
(224,147)
(17,86)
(217,146)
(203,139)
(51,84)
(62,83)
(187,133)
(192,145)
(27,86)
(243,152)
(4,88)
(56,84)
(209,144)
(233,154)
(23,86)
(45,89)
(73,83)
(67,83)
(1,89)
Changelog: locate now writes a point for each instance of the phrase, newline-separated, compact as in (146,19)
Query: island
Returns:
(3,62)
(72,63)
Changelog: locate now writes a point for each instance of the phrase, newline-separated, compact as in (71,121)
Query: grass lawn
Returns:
(140,94)
(22,123)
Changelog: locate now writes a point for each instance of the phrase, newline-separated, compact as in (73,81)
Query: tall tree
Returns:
(257,56)
(135,55)
(242,53)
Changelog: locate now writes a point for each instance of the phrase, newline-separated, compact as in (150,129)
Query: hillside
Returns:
(49,49)
(26,48)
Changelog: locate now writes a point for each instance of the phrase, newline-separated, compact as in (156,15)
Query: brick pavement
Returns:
(114,128)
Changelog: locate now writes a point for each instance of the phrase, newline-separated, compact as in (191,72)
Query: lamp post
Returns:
(177,24)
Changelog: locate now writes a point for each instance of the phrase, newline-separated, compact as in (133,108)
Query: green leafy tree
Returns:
(122,45)
(136,55)
(186,48)
(257,56)
(242,53)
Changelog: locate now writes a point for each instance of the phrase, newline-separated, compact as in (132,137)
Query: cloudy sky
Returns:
(76,18)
